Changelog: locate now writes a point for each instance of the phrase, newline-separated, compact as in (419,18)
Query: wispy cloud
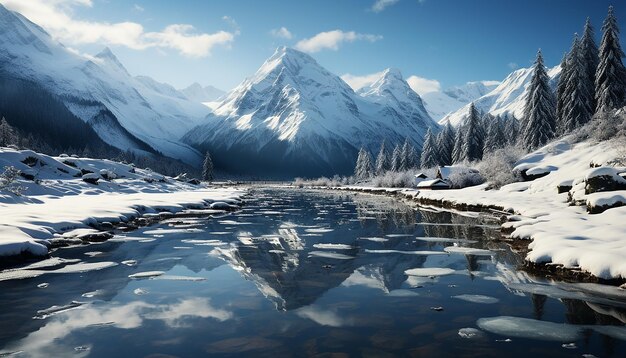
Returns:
(332,40)
(138,8)
(512,65)
(381,5)
(423,85)
(418,84)
(358,82)
(282,33)
(57,17)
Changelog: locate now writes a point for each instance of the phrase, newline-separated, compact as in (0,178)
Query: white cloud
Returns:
(358,82)
(58,19)
(513,65)
(418,84)
(380,5)
(282,33)
(138,8)
(423,85)
(332,40)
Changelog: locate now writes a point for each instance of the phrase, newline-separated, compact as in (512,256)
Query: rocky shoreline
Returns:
(547,270)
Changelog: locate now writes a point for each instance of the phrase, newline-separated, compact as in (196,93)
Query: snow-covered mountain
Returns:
(197,93)
(293,117)
(440,103)
(126,112)
(508,97)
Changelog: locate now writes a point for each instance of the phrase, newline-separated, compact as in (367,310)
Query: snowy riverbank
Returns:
(562,230)
(61,194)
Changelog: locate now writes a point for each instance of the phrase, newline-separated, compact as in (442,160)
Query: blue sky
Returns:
(447,41)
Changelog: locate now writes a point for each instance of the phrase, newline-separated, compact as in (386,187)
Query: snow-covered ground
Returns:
(57,197)
(562,233)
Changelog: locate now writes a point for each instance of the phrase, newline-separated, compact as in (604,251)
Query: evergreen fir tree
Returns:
(457,150)
(610,82)
(511,128)
(396,159)
(409,158)
(540,111)
(472,148)
(589,51)
(207,167)
(7,134)
(561,95)
(382,160)
(577,108)
(405,156)
(495,138)
(363,169)
(429,153)
(445,145)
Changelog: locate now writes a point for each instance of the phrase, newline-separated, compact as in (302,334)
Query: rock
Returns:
(96,237)
(28,175)
(91,178)
(106,225)
(604,179)
(438,309)
(220,205)
(108,174)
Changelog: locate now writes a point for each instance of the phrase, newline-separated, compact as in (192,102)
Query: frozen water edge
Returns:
(563,235)
(33,224)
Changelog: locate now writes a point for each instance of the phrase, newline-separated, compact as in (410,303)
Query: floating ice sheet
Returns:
(430,271)
(477,299)
(330,255)
(530,328)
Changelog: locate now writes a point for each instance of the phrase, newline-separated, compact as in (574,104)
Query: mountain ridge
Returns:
(295,115)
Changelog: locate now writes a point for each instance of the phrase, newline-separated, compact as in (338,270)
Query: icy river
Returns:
(303,273)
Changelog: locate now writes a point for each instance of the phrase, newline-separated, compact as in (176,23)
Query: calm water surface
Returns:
(299,273)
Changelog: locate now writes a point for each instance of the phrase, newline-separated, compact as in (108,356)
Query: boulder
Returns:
(604,179)
(91,178)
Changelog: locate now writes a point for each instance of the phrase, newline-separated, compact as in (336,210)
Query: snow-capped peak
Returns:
(391,86)
(297,118)
(296,68)
(509,97)
(441,103)
(109,59)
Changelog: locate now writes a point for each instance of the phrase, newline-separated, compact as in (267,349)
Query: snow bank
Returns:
(57,199)
(561,232)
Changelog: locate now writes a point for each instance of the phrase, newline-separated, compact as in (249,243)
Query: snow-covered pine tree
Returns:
(561,95)
(363,168)
(610,82)
(540,111)
(405,157)
(207,167)
(429,153)
(413,157)
(7,134)
(472,149)
(445,145)
(396,159)
(383,163)
(495,138)
(589,51)
(457,149)
(409,158)
(511,129)
(577,108)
